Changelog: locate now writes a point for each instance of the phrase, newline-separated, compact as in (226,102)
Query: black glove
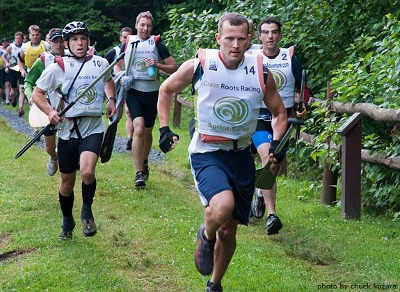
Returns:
(166,139)
(279,156)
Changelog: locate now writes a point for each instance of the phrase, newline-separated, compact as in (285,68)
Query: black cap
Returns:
(5,40)
(56,34)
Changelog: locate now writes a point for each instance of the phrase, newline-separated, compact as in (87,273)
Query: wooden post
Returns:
(329,182)
(351,167)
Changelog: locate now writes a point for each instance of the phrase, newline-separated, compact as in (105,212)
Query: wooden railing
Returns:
(351,209)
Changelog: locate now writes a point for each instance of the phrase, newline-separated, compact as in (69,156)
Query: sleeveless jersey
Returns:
(145,49)
(92,103)
(226,101)
(32,53)
(13,60)
(48,59)
(281,69)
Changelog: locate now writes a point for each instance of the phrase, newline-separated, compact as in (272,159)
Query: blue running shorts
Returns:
(221,170)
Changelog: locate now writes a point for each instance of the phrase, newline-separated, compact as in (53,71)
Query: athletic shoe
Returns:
(7,101)
(273,224)
(211,287)
(146,172)
(258,205)
(88,227)
(129,144)
(204,255)
(67,228)
(139,179)
(52,166)
(21,112)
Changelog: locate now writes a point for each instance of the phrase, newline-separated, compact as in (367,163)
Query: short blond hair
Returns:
(33,27)
(146,14)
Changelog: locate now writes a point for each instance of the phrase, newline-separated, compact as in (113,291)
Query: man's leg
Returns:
(138,150)
(66,199)
(217,214)
(225,247)
(14,96)
(50,145)
(128,128)
(87,164)
(21,111)
(148,141)
(273,223)
(7,91)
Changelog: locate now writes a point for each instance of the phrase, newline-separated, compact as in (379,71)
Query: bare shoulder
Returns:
(180,79)
(185,71)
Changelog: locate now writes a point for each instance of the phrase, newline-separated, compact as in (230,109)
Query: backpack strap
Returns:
(198,73)
(291,51)
(42,57)
(59,60)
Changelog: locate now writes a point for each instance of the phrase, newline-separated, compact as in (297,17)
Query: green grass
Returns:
(146,238)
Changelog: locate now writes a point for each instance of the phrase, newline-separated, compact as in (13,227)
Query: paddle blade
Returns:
(108,143)
(265,179)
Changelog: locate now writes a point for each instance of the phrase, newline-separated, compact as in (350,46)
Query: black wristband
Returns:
(281,154)
(166,139)
(164,130)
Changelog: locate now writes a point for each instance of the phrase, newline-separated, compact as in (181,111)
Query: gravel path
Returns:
(18,124)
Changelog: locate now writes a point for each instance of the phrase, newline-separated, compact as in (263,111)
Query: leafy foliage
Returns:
(371,70)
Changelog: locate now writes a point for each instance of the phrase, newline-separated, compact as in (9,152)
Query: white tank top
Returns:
(227,101)
(145,49)
(281,69)
(92,103)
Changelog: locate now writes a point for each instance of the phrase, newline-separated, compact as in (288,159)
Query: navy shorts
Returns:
(69,151)
(142,104)
(15,78)
(222,170)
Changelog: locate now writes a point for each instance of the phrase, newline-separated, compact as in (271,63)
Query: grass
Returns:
(146,238)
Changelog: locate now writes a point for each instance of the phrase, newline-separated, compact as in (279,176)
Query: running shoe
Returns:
(139,179)
(204,255)
(67,228)
(52,166)
(129,144)
(21,112)
(273,224)
(211,287)
(88,227)
(258,205)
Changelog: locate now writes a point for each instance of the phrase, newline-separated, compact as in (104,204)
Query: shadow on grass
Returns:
(305,247)
(14,254)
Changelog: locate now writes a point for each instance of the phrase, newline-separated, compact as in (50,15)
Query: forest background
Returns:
(352,44)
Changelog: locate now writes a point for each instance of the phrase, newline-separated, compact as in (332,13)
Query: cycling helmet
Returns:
(74,28)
